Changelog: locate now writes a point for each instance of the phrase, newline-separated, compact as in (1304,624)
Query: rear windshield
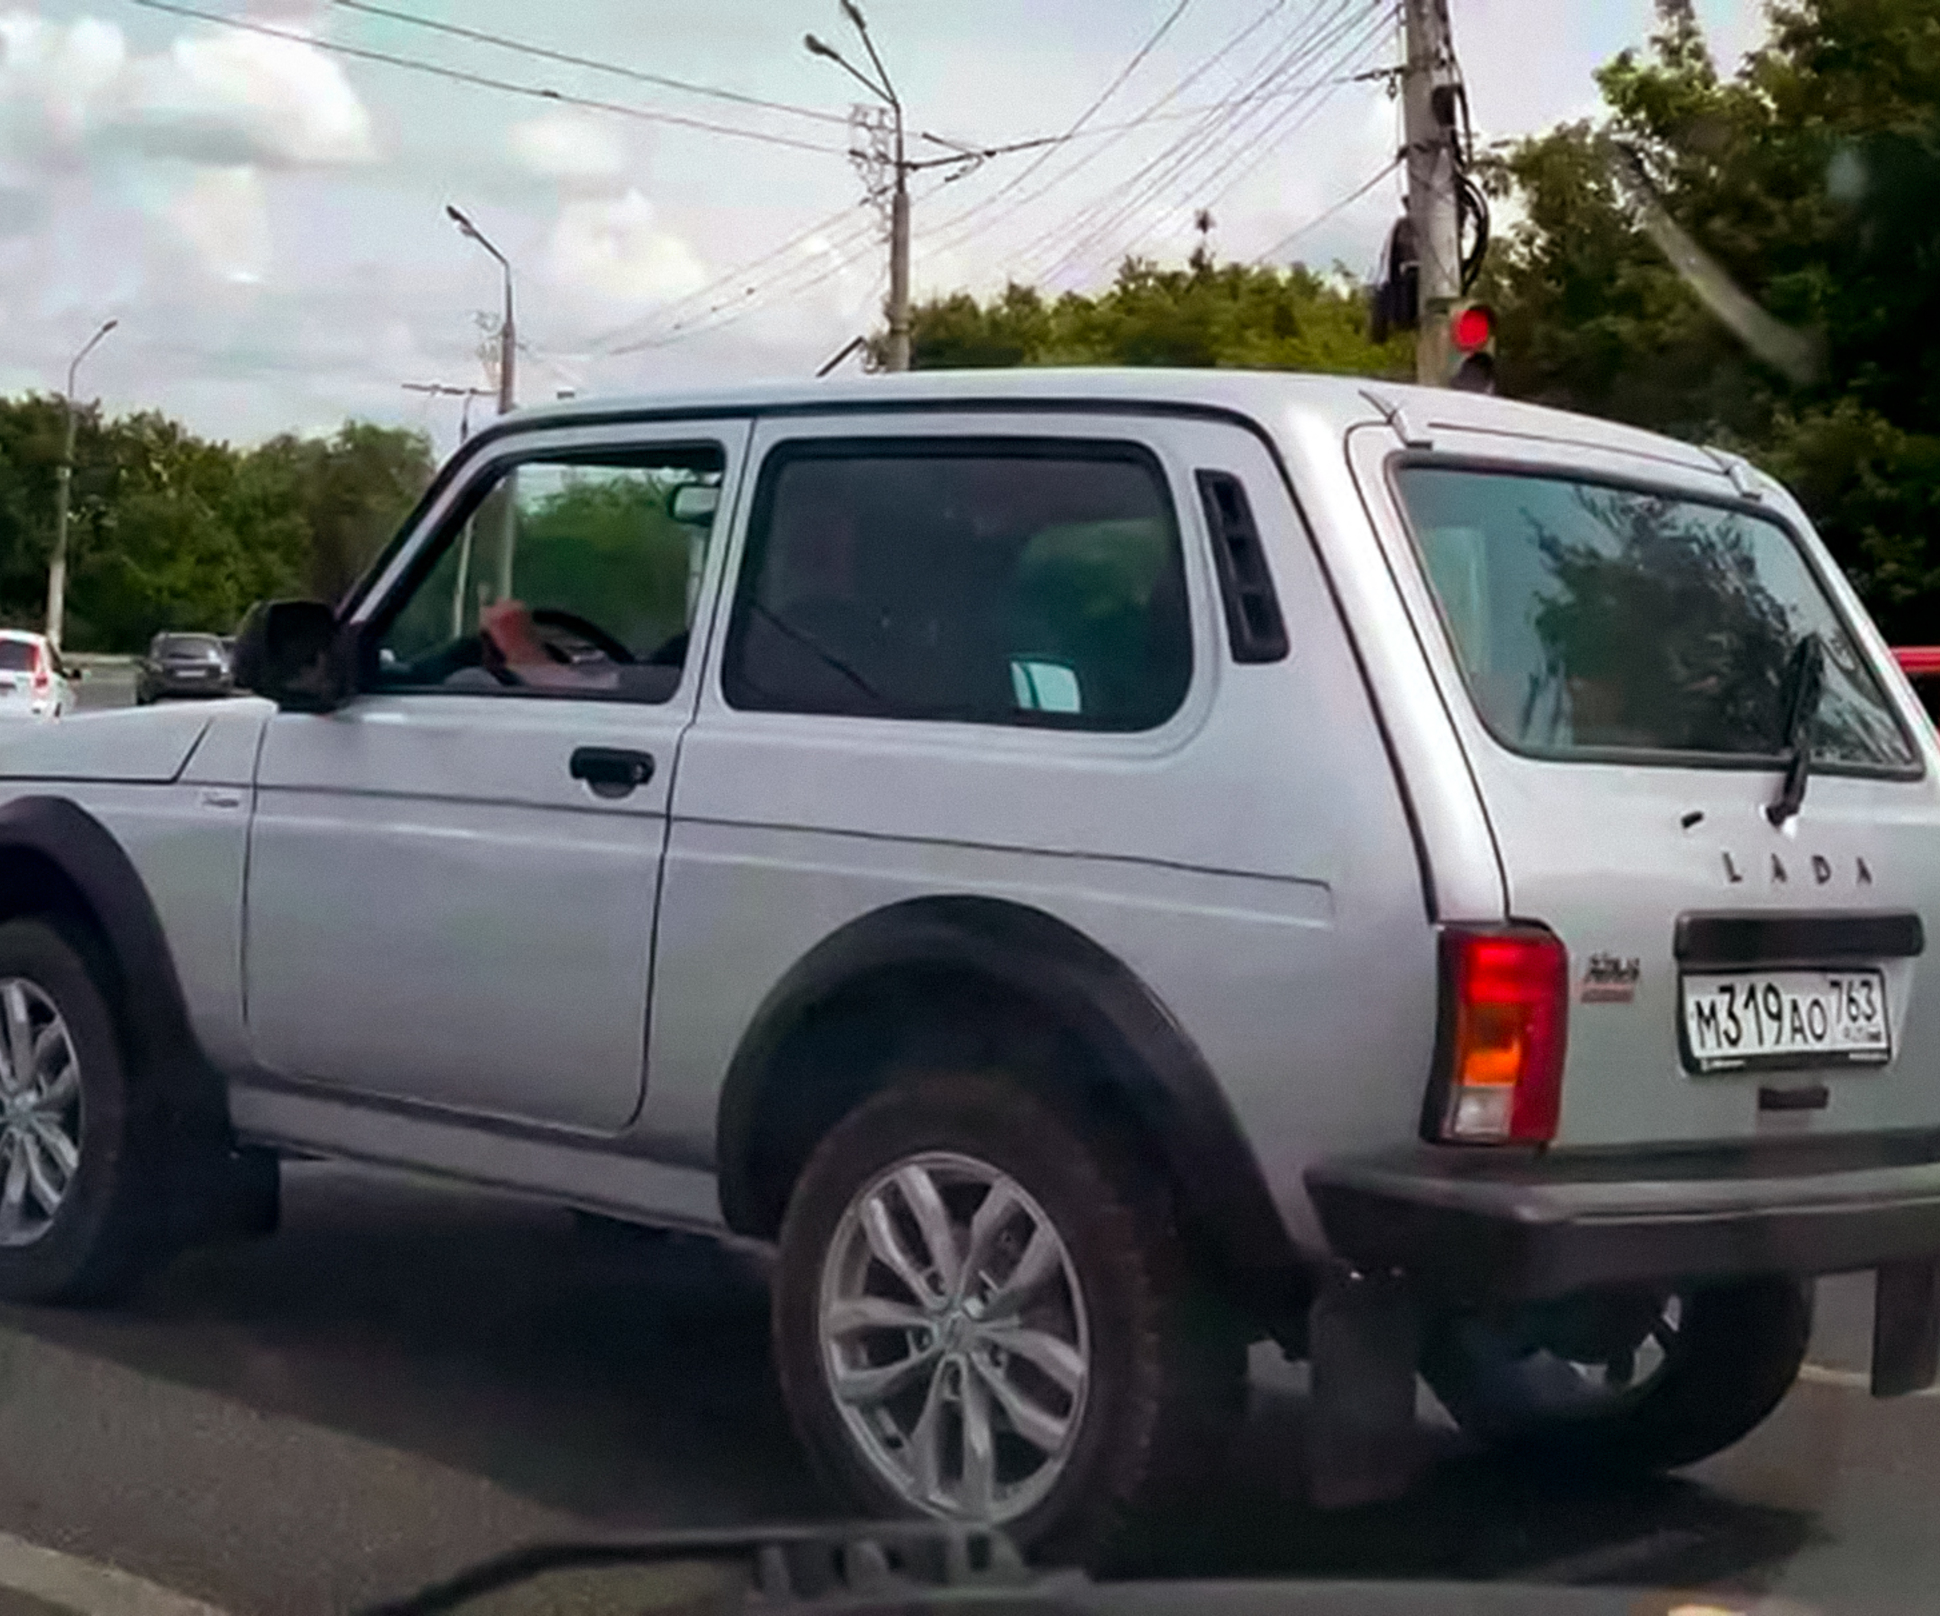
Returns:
(16,656)
(1592,619)
(202,645)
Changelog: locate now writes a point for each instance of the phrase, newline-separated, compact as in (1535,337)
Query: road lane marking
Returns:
(87,1587)
(1853,1380)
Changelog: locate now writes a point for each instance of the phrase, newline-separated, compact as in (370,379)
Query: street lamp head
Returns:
(854,13)
(107,326)
(817,48)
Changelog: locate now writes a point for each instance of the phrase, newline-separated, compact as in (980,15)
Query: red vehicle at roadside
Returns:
(1922,665)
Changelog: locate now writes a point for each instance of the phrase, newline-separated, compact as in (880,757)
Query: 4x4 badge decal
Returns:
(1610,980)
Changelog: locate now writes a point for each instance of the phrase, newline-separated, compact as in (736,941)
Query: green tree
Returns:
(171,531)
(1812,176)
(1231,315)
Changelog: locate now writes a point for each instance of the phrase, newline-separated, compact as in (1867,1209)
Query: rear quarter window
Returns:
(977,582)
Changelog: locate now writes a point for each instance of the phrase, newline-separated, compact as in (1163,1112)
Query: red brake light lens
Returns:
(1505,1032)
(41,677)
(1472,329)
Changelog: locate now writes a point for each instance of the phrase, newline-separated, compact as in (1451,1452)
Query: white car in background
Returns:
(33,682)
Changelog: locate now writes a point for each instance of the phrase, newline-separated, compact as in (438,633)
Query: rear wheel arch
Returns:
(959,981)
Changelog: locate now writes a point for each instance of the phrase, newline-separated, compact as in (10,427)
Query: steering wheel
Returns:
(581,628)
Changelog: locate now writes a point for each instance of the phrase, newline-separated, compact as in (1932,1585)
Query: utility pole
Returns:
(880,149)
(1431,91)
(63,486)
(508,397)
(508,340)
(897,160)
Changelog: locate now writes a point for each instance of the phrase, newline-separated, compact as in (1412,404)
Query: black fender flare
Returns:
(40,832)
(1140,1050)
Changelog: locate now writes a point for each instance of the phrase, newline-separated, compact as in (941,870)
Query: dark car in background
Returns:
(183,665)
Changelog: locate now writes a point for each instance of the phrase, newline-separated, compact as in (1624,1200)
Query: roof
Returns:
(22,634)
(1266,396)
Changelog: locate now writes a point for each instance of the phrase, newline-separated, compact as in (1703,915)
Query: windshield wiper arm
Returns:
(1804,685)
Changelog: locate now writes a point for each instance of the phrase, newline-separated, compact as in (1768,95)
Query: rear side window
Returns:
(1594,619)
(989,583)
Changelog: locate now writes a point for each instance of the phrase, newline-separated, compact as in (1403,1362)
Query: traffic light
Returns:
(1396,301)
(1471,333)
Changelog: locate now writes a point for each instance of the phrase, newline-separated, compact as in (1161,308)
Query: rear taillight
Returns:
(1505,1026)
(42,679)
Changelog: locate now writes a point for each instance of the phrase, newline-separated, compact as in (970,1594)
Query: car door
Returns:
(452,878)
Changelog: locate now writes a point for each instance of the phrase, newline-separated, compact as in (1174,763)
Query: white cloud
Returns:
(224,98)
(610,249)
(222,213)
(566,146)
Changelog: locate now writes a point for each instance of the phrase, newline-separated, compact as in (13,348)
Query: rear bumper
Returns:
(1477,1225)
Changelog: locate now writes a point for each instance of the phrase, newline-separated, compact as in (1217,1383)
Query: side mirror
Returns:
(288,651)
(694,504)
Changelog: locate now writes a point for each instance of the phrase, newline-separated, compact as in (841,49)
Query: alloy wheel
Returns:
(40,1112)
(954,1337)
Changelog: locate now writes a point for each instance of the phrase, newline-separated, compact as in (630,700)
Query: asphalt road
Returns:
(409,1378)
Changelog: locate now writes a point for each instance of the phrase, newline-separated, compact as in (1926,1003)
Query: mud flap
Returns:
(1906,1328)
(1364,1337)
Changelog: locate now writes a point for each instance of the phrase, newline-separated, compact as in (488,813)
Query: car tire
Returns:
(74,1134)
(1113,1344)
(1729,1353)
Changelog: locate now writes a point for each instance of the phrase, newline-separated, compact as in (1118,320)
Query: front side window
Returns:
(994,583)
(571,576)
(1595,619)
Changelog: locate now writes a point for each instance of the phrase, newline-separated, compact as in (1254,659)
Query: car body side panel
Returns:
(1250,862)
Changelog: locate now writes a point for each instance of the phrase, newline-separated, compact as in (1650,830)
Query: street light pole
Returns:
(508,348)
(63,487)
(507,332)
(884,90)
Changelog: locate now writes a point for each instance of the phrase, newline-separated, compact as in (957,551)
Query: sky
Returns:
(264,215)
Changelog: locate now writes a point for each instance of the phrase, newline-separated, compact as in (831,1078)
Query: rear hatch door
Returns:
(1618,642)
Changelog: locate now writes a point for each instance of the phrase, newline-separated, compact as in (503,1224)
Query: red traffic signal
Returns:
(1472,329)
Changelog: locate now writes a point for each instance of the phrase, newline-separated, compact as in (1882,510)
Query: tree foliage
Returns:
(1812,175)
(168,530)
(1206,314)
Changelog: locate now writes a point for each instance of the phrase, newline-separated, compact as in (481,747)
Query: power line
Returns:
(1338,208)
(971,215)
(623,340)
(1319,32)
(544,53)
(1224,146)
(1078,124)
(485,81)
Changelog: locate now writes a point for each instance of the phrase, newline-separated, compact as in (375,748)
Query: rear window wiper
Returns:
(1804,686)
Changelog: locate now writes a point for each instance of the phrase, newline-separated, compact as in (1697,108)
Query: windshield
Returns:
(1593,619)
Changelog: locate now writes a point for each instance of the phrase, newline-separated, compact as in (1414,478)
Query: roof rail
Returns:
(1740,471)
(1398,422)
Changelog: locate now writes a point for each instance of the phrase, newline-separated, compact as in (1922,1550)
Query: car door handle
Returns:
(612,771)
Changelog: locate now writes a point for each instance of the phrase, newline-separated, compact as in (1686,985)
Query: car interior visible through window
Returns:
(565,576)
(982,583)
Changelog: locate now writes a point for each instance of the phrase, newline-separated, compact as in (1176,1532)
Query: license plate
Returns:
(1769,1019)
